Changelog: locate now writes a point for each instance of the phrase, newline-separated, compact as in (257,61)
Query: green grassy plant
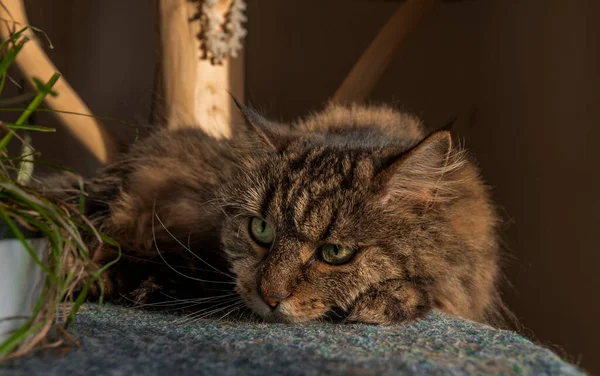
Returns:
(69,269)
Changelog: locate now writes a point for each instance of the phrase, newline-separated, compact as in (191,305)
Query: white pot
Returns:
(21,280)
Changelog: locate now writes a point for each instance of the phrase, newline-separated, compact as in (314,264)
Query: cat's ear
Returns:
(276,136)
(423,173)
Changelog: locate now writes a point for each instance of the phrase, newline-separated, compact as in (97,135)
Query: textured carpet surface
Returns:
(122,341)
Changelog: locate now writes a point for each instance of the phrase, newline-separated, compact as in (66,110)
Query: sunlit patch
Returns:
(292,311)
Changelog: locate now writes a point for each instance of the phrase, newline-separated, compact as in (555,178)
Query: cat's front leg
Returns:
(391,302)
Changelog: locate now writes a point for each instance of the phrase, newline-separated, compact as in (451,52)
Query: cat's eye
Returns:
(335,254)
(261,231)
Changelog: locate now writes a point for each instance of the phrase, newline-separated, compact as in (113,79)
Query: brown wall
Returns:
(105,49)
(539,102)
(522,76)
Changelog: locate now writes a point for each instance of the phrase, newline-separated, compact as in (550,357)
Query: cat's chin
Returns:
(278,317)
(283,314)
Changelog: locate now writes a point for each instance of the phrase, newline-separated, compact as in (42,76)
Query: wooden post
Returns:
(374,61)
(34,63)
(196,92)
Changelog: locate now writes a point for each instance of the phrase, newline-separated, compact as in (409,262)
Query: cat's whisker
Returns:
(224,290)
(242,313)
(190,305)
(182,308)
(215,311)
(228,313)
(155,215)
(229,292)
(215,308)
(240,226)
(208,314)
(208,298)
(210,202)
(238,230)
(196,316)
(188,247)
(150,261)
(157,304)
(176,301)
(213,299)
(238,215)
(226,300)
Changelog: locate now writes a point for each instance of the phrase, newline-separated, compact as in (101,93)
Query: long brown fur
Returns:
(411,204)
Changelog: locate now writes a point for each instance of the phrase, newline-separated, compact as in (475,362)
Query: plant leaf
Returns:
(37,128)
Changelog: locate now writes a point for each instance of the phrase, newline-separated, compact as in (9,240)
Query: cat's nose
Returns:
(273,300)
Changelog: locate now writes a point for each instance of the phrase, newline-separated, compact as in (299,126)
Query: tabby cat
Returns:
(354,210)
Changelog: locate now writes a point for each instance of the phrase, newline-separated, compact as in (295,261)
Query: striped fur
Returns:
(412,205)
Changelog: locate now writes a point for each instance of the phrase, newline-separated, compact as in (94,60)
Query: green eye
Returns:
(335,255)
(261,232)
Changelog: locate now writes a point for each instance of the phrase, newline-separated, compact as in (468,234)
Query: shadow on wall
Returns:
(536,136)
(106,51)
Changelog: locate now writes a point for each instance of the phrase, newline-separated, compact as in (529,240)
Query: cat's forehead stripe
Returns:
(300,162)
(307,189)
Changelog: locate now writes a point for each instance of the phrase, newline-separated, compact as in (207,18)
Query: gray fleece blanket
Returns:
(126,341)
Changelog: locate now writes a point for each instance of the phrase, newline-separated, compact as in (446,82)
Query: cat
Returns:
(354,210)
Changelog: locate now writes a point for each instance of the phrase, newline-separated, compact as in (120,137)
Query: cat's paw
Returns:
(393,302)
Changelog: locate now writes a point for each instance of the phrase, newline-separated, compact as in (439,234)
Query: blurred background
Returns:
(522,77)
